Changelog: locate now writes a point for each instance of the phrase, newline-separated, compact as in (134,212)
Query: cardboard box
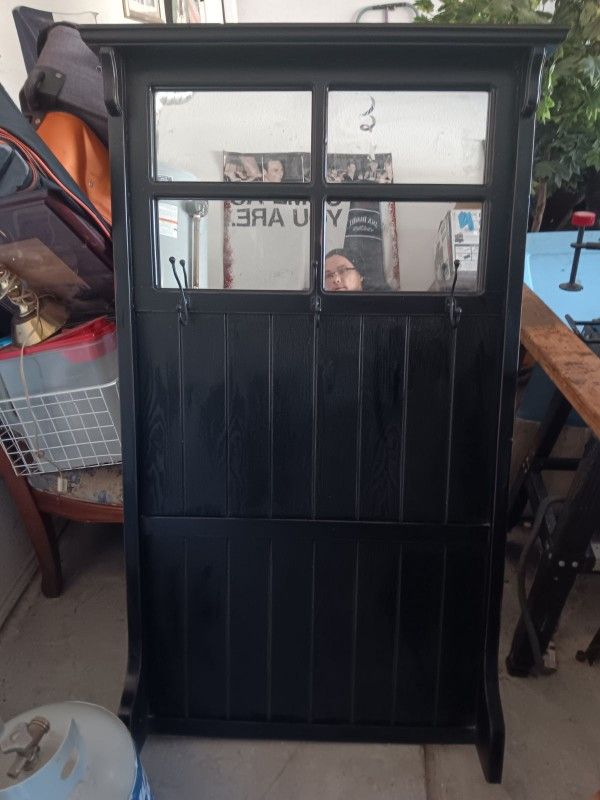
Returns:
(457,238)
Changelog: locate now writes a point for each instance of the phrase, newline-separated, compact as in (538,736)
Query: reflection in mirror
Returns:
(234,244)
(407,137)
(233,136)
(401,247)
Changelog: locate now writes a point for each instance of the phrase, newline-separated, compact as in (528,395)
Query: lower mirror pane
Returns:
(234,244)
(401,247)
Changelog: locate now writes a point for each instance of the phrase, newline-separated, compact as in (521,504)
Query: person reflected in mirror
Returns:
(233,171)
(350,173)
(273,170)
(340,274)
(387,176)
(240,168)
(251,169)
(371,172)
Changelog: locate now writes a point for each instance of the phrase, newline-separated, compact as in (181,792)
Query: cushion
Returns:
(102,485)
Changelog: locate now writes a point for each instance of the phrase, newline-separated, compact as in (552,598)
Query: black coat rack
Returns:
(315,484)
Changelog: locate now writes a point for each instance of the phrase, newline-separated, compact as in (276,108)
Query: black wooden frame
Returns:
(466,542)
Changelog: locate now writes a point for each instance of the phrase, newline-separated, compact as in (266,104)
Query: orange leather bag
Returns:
(82,154)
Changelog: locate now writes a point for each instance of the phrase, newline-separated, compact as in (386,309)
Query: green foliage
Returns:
(568,138)
(568,131)
(483,12)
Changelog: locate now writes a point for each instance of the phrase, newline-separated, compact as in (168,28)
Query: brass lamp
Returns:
(36,317)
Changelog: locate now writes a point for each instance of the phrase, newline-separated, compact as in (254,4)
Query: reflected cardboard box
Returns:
(458,239)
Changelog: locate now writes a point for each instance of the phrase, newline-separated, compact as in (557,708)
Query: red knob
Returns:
(583,219)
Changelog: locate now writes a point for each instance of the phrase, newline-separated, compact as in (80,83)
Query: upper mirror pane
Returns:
(407,137)
(233,136)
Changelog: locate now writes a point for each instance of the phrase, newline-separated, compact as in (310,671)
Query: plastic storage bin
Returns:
(61,411)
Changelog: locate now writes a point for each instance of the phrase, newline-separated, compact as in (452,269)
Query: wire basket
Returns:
(58,431)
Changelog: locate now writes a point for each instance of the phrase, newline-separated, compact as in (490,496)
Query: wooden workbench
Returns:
(573,368)
(575,372)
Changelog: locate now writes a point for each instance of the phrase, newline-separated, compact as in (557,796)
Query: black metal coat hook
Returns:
(452,307)
(183,306)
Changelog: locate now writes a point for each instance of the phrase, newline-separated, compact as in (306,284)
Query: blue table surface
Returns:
(548,262)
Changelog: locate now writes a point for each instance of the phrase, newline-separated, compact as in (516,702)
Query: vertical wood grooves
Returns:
(270,630)
(359,416)
(401,478)
(317,211)
(450,424)
(354,632)
(226,379)
(291,416)
(315,389)
(317,216)
(186,633)
(477,387)
(311,669)
(183,438)
(228,631)
(440,637)
(160,457)
(270,401)
(396,639)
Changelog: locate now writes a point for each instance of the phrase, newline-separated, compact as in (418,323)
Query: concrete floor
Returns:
(74,647)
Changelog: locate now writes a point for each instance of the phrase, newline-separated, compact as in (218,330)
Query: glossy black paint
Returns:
(315,486)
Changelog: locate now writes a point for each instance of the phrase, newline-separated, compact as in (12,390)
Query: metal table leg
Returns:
(543,443)
(563,555)
(593,650)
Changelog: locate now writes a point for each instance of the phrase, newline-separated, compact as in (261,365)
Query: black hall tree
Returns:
(315,481)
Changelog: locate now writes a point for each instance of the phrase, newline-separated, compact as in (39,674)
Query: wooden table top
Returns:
(570,364)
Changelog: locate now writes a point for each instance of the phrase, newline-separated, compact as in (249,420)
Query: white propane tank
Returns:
(69,751)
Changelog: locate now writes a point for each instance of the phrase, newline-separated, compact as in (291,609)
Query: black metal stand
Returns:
(581,220)
(528,484)
(592,653)
(566,536)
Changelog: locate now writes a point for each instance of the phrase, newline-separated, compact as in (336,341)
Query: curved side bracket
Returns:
(108,61)
(533,81)
(133,711)
(490,723)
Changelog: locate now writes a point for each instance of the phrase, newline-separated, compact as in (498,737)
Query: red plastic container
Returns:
(77,358)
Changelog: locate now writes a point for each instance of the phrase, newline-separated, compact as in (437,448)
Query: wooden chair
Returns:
(37,507)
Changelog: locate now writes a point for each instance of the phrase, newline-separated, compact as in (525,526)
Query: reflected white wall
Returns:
(434,137)
(194,129)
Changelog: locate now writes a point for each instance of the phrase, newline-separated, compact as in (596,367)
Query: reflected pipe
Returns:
(197,209)
(387,7)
